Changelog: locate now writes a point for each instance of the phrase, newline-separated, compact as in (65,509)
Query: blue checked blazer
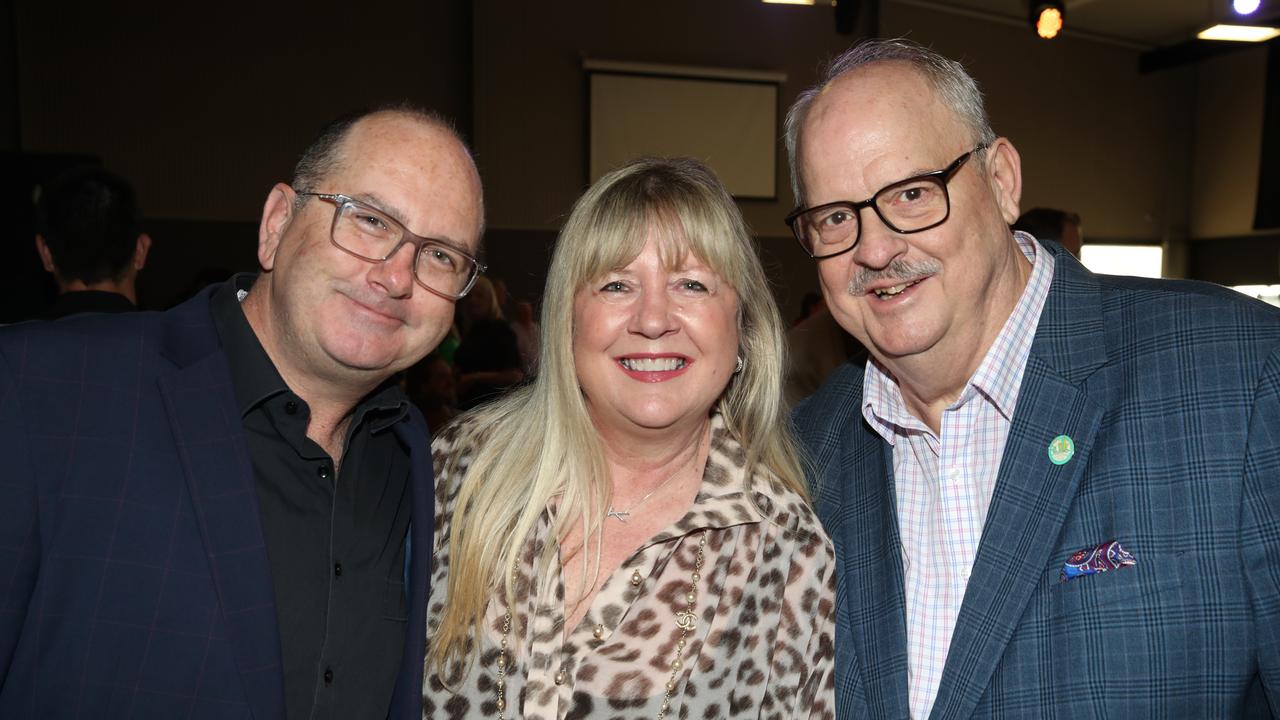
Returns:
(134,579)
(1171,392)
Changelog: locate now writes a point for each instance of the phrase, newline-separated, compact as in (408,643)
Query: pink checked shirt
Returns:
(944,484)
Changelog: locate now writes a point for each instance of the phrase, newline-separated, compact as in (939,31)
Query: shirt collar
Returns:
(255,379)
(998,376)
(253,376)
(727,497)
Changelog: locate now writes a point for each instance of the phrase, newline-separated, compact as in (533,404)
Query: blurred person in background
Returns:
(488,358)
(1059,226)
(90,238)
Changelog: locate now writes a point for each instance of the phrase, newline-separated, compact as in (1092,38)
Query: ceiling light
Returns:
(789,2)
(1244,7)
(1047,18)
(1239,33)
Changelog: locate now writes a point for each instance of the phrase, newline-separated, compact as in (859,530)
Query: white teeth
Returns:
(891,291)
(652,364)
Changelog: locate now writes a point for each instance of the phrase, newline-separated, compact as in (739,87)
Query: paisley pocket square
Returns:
(1109,555)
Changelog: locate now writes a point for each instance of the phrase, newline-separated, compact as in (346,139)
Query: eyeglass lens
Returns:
(908,206)
(373,236)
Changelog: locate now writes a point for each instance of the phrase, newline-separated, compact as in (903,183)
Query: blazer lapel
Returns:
(872,579)
(1033,494)
(215,458)
(406,701)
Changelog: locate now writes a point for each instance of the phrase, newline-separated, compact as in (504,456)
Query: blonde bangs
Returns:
(628,215)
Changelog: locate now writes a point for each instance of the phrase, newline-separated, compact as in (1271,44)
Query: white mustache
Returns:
(898,270)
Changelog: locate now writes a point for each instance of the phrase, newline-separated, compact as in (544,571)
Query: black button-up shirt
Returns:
(336,543)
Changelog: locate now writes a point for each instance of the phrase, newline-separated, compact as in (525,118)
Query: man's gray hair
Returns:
(955,87)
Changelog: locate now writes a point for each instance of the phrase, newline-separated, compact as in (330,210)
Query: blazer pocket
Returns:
(394,605)
(1134,585)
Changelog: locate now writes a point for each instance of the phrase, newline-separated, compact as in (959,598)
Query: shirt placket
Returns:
(956,475)
(620,590)
(547,671)
(932,584)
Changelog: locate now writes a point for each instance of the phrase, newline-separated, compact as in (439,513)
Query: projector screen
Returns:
(728,122)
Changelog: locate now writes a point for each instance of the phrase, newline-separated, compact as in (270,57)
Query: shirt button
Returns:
(291,407)
(337,569)
(598,632)
(328,676)
(324,471)
(635,578)
(560,677)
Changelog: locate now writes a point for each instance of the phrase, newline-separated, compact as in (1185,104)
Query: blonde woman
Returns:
(629,535)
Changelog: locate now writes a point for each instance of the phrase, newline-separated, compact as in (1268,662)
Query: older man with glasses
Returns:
(225,510)
(1052,494)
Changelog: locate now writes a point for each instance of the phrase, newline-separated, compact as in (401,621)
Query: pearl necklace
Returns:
(686,620)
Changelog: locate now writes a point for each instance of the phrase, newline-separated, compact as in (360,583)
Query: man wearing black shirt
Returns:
(230,515)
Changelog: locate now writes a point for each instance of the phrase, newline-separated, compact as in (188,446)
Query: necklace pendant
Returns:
(620,515)
(686,620)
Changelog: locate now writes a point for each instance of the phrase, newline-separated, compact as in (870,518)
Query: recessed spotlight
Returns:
(1047,18)
(1244,7)
(1239,33)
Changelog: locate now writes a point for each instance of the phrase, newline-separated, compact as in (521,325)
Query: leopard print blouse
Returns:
(763,643)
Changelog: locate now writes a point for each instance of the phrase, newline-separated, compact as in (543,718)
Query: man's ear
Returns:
(1004,175)
(140,251)
(277,213)
(46,257)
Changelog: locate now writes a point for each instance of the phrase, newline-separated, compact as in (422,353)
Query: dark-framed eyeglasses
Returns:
(908,206)
(370,234)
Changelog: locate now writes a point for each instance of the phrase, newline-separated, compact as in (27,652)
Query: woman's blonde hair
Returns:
(538,443)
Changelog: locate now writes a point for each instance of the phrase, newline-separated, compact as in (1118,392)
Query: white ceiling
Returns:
(1146,24)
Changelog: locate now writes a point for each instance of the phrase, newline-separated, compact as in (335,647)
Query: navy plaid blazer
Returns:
(1171,392)
(134,579)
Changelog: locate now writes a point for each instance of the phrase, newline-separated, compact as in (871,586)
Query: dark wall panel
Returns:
(1267,214)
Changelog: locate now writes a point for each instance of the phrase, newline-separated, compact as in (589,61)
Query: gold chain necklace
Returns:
(622,515)
(686,620)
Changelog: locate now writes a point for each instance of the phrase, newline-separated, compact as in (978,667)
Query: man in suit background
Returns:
(91,240)
(1051,493)
(224,510)
(1060,226)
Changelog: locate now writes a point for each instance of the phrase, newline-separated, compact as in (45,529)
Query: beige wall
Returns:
(1228,149)
(204,109)
(205,106)
(1095,136)
(530,89)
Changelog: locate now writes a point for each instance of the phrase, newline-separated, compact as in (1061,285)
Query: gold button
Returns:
(560,677)
(635,577)
(598,632)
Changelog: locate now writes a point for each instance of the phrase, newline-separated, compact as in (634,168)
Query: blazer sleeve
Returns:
(1260,523)
(19,529)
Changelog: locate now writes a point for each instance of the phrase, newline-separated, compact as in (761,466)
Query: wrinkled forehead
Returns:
(872,127)
(885,102)
(417,160)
